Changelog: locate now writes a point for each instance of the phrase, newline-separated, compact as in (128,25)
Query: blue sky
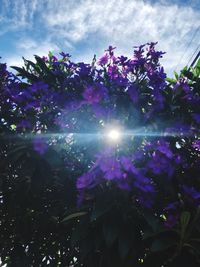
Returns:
(84,28)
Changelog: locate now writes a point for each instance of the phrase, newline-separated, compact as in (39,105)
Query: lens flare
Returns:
(114,135)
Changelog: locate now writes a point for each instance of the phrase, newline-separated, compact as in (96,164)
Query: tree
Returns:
(71,198)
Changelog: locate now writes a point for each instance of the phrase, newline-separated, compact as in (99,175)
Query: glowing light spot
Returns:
(114,135)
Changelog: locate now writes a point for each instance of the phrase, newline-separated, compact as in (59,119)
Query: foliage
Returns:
(71,198)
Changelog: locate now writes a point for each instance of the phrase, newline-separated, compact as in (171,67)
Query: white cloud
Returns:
(123,23)
(18,14)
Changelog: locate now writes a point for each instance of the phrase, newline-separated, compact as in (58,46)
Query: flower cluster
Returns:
(59,95)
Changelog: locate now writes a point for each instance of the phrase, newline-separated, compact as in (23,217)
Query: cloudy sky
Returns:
(84,28)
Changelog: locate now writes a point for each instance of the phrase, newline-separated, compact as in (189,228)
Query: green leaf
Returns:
(124,245)
(170,80)
(17,152)
(185,218)
(24,74)
(74,216)
(29,63)
(87,245)
(184,71)
(79,233)
(176,75)
(152,221)
(42,64)
(110,232)
(50,54)
(53,158)
(198,64)
(160,245)
(101,207)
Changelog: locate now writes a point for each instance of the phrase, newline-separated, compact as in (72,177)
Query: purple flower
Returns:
(163,147)
(24,124)
(94,94)
(103,60)
(123,183)
(122,61)
(73,105)
(157,78)
(20,97)
(54,59)
(171,221)
(87,180)
(144,184)
(113,72)
(65,55)
(192,194)
(160,164)
(111,167)
(32,105)
(196,117)
(172,206)
(173,215)
(127,164)
(83,69)
(145,201)
(39,145)
(155,55)
(110,50)
(39,87)
(196,144)
(45,58)
(182,83)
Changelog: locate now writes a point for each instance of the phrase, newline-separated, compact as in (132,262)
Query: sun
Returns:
(114,135)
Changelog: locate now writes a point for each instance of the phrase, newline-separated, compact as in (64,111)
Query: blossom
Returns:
(65,55)
(160,164)
(24,124)
(110,50)
(163,147)
(45,58)
(196,144)
(145,201)
(38,87)
(196,117)
(157,78)
(171,220)
(32,105)
(94,94)
(111,168)
(144,184)
(104,59)
(127,164)
(54,59)
(172,206)
(124,183)
(122,60)
(87,180)
(83,70)
(155,55)
(172,214)
(182,83)
(113,72)
(191,194)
